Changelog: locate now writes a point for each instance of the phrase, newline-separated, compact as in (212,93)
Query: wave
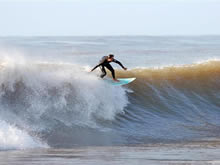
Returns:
(202,78)
(36,97)
(63,105)
(175,102)
(200,81)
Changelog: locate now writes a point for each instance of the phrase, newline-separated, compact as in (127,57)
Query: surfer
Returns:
(105,62)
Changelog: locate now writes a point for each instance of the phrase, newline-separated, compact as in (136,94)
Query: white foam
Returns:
(13,138)
(57,91)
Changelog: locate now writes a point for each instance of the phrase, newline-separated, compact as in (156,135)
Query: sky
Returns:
(109,17)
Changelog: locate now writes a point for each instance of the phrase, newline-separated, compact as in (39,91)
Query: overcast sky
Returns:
(109,17)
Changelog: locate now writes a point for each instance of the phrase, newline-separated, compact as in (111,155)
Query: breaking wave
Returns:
(62,105)
(38,97)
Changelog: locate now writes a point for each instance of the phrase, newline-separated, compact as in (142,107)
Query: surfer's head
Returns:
(110,57)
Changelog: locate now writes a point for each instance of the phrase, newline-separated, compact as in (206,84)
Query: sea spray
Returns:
(14,138)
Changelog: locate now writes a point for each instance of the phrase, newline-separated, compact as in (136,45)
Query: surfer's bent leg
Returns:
(111,69)
(103,71)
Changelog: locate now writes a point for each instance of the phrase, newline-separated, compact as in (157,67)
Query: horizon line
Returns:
(130,35)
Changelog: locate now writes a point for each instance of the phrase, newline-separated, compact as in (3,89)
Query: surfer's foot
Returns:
(116,80)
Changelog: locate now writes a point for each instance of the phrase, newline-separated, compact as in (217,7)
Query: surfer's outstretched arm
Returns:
(101,62)
(96,67)
(119,63)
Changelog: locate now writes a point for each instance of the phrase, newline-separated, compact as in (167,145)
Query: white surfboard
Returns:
(122,81)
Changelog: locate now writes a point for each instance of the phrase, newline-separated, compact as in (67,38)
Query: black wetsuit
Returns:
(105,63)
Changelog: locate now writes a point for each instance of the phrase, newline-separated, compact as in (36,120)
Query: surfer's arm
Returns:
(96,67)
(101,62)
(119,63)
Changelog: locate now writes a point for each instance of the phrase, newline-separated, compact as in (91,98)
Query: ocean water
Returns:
(51,104)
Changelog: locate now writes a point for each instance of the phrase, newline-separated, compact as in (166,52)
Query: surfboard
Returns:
(122,81)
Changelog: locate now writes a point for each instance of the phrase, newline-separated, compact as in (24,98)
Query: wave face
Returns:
(175,103)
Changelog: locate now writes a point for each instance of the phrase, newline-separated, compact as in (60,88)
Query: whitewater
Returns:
(50,100)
